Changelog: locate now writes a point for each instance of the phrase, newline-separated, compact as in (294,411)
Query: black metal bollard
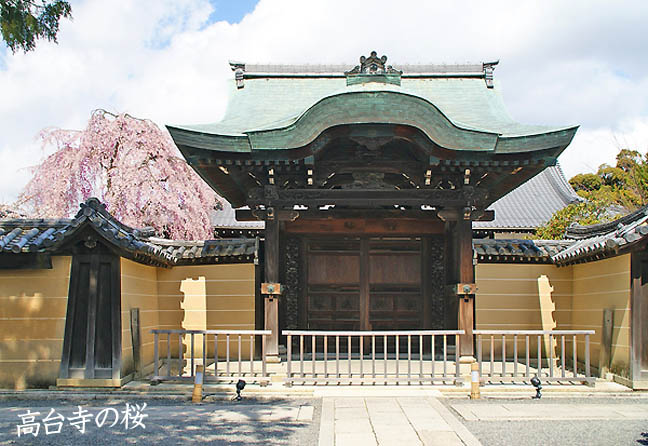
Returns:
(535,381)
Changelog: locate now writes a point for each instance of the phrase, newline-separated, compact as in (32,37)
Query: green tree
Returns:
(583,213)
(623,186)
(23,22)
(586,182)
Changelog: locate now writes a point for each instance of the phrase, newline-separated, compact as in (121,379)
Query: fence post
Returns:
(289,361)
(458,380)
(264,374)
(196,397)
(156,354)
(587,358)
(474,381)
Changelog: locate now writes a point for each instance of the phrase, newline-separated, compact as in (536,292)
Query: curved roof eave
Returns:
(371,107)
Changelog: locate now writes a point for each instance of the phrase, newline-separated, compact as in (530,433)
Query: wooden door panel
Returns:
(103,347)
(328,308)
(79,317)
(400,269)
(333,269)
(333,283)
(395,296)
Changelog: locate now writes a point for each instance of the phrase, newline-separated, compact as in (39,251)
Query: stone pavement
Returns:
(267,413)
(548,412)
(558,421)
(386,421)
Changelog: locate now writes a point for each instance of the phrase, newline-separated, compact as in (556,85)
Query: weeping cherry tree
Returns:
(130,165)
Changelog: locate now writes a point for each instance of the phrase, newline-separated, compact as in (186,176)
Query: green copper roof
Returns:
(287,110)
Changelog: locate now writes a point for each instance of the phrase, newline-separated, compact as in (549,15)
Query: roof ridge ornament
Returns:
(239,71)
(373,69)
(489,67)
(373,65)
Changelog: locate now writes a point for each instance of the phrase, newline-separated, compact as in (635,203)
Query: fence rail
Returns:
(221,352)
(510,350)
(355,357)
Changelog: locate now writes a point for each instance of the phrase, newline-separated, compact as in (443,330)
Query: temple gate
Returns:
(368,181)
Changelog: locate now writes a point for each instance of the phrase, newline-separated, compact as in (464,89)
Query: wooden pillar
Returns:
(271,301)
(466,276)
(452,276)
(426,283)
(364,285)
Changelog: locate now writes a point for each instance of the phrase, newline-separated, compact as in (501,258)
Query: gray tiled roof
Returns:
(533,203)
(515,250)
(591,242)
(47,236)
(208,249)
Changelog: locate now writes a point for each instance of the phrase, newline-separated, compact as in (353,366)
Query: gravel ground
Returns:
(548,433)
(168,423)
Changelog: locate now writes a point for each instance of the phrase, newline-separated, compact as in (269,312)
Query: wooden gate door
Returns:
(395,295)
(92,342)
(364,284)
(333,285)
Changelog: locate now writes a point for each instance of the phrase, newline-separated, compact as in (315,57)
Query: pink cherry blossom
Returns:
(130,165)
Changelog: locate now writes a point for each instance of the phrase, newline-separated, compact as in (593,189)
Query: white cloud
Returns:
(593,147)
(562,62)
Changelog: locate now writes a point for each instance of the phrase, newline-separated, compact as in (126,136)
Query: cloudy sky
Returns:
(562,62)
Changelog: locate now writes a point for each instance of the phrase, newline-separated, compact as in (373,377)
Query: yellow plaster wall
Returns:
(597,286)
(212,297)
(545,297)
(33,305)
(521,297)
(510,296)
(139,289)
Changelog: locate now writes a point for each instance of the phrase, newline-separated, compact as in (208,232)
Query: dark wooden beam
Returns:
(332,214)
(362,198)
(25,261)
(366,226)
